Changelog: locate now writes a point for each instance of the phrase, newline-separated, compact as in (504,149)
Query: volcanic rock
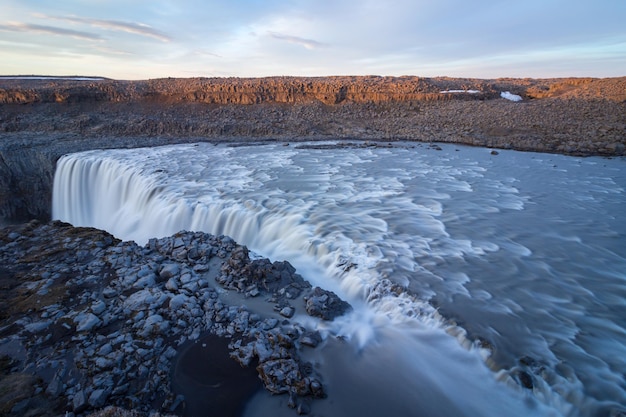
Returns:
(99,321)
(325,304)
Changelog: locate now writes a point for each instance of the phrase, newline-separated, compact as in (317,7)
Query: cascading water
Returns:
(523,251)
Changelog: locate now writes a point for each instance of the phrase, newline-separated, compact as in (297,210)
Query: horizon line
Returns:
(103,78)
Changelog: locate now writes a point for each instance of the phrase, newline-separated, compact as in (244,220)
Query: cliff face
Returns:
(40,120)
(331,90)
(28,163)
(327,90)
(25,184)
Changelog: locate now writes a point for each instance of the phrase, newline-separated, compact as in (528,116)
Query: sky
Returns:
(143,39)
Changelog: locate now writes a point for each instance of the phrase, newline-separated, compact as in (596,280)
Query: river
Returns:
(482,283)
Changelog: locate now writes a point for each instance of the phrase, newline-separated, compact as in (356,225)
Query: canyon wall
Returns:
(328,90)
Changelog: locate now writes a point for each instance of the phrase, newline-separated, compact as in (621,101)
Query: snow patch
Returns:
(510,96)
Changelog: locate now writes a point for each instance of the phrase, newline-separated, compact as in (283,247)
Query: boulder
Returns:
(325,304)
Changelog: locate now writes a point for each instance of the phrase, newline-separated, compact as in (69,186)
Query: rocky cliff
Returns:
(40,120)
(327,90)
(330,90)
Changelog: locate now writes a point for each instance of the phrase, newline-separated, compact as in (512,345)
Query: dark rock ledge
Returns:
(88,321)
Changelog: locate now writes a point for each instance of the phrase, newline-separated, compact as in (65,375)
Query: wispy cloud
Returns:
(204,53)
(116,25)
(48,30)
(111,51)
(307,43)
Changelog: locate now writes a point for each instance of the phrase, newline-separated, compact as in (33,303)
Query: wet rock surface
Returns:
(87,321)
(325,304)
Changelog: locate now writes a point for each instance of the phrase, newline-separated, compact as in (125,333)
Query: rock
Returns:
(98,307)
(269,323)
(178,301)
(525,379)
(55,387)
(199,268)
(168,271)
(260,276)
(171,284)
(80,402)
(532,364)
(287,311)
(109,292)
(279,375)
(325,304)
(86,322)
(154,325)
(146,281)
(180,399)
(98,398)
(303,408)
(311,338)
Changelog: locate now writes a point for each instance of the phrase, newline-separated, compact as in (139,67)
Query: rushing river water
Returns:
(483,285)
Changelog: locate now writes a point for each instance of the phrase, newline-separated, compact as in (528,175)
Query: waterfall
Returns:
(367,237)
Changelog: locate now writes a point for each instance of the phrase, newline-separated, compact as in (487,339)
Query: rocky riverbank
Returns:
(88,321)
(40,120)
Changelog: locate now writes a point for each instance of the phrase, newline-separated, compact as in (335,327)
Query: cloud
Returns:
(116,25)
(485,38)
(112,52)
(48,30)
(307,43)
(204,53)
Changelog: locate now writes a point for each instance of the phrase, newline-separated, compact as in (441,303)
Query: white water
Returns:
(525,251)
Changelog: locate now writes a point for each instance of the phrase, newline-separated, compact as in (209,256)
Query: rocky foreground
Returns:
(40,120)
(87,321)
